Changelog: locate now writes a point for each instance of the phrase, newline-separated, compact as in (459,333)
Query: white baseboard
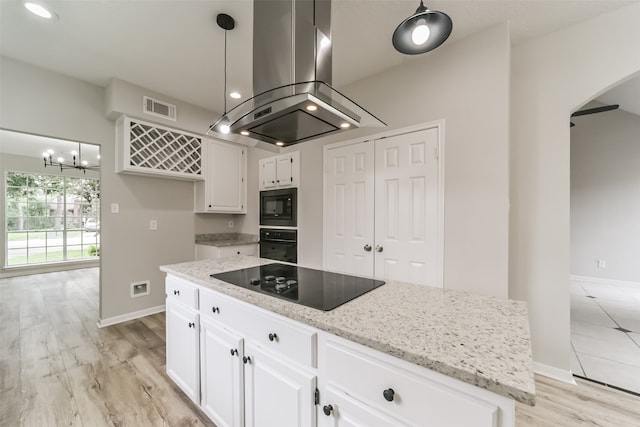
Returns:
(601,281)
(555,373)
(130,316)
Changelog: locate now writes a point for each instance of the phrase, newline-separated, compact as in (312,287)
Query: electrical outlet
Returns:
(231,224)
(153,225)
(115,208)
(602,263)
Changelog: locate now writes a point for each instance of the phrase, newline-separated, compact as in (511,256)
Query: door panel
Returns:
(349,197)
(221,374)
(277,393)
(406,226)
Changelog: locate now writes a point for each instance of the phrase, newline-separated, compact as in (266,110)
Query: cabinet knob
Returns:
(367,248)
(215,309)
(176,292)
(246,359)
(192,325)
(327,409)
(273,182)
(389,394)
(209,205)
(379,248)
(277,180)
(273,337)
(234,351)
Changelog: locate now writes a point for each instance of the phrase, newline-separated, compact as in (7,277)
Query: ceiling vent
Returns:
(158,108)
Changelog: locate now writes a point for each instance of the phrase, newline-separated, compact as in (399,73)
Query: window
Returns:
(51,218)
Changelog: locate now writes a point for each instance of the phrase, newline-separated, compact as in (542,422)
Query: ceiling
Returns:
(174,47)
(24,144)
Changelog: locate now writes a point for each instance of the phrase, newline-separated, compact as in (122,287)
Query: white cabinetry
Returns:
(365,387)
(279,171)
(277,385)
(222,374)
(211,252)
(182,329)
(224,189)
(383,208)
(144,148)
(277,393)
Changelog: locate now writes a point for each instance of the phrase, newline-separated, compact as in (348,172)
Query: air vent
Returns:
(158,108)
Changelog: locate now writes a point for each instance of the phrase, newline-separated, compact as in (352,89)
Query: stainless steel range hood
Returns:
(292,77)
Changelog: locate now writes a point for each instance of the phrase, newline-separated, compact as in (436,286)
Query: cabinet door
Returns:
(284,171)
(221,374)
(277,393)
(407,224)
(346,412)
(226,177)
(268,173)
(349,203)
(183,355)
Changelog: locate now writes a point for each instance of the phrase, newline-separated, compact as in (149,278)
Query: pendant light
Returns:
(423,31)
(227,23)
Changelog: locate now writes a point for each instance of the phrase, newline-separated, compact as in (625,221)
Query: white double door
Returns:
(383,208)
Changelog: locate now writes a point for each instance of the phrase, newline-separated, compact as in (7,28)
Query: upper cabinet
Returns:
(280,171)
(224,189)
(145,148)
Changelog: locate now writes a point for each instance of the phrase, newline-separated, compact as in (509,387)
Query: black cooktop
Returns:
(314,288)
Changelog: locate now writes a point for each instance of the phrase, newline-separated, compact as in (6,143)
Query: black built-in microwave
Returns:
(279,207)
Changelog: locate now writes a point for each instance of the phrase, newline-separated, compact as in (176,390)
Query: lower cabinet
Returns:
(344,411)
(246,366)
(222,376)
(183,357)
(276,392)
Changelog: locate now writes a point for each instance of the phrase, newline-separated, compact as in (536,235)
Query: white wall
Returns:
(467,84)
(41,102)
(605,195)
(552,76)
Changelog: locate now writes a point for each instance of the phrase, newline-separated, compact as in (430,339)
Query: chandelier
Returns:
(76,161)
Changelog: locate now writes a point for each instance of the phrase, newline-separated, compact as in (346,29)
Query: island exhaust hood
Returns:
(292,77)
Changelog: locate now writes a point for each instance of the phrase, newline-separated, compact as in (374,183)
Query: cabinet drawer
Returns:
(225,251)
(178,289)
(269,330)
(415,399)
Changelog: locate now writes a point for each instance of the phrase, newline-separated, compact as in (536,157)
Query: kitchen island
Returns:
(481,341)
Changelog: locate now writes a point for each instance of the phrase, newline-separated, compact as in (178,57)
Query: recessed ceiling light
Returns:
(235,95)
(39,10)
(344,125)
(244,132)
(312,107)
(279,143)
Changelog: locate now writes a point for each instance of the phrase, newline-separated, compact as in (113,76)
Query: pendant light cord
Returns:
(225,72)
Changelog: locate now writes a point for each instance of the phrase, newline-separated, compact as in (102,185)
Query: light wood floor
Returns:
(57,368)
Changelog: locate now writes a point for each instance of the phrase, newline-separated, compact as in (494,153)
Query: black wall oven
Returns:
(279,244)
(279,207)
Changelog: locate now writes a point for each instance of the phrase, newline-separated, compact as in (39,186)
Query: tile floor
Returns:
(600,351)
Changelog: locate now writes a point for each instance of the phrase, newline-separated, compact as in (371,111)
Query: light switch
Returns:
(153,225)
(115,208)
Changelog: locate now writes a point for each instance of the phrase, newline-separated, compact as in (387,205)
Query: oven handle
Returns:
(276,241)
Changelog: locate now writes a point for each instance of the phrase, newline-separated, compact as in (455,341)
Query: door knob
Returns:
(379,248)
(367,248)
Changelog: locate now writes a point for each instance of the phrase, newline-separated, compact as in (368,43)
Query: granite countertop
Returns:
(226,239)
(481,340)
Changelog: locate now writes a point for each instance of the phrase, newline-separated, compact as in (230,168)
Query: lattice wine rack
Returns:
(151,149)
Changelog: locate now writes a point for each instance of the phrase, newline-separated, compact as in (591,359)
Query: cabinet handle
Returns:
(234,351)
(192,325)
(389,394)
(215,309)
(246,359)
(367,248)
(176,292)
(379,248)
(327,409)
(273,337)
